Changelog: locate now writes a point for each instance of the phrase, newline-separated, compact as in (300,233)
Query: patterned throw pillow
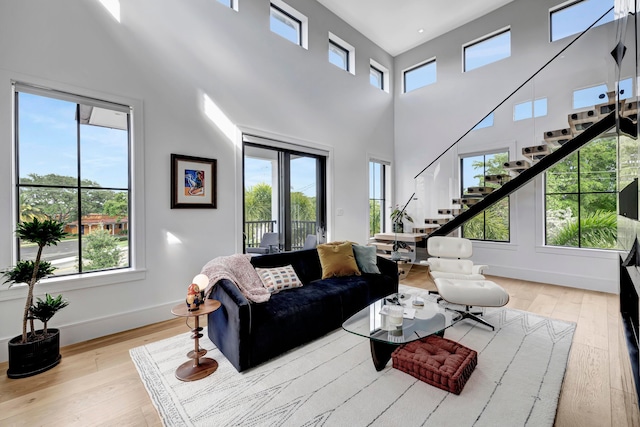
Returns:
(276,279)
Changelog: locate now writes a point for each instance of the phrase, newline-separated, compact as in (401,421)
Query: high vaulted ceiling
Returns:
(395,25)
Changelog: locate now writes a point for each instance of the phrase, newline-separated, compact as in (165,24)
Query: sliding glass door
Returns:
(284,193)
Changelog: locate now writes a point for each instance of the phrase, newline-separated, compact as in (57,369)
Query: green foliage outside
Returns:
(492,223)
(61,204)
(257,207)
(375,218)
(117,206)
(100,250)
(581,197)
(257,202)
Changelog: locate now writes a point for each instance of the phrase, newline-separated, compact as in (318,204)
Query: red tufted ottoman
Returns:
(437,361)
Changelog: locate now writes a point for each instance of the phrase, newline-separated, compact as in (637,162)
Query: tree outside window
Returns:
(492,223)
(581,197)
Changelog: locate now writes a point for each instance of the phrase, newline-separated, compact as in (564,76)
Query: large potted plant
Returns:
(35,351)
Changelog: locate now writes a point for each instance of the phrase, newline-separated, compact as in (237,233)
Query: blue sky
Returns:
(48,143)
(303,174)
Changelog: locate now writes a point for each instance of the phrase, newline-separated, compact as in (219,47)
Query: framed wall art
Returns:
(193,182)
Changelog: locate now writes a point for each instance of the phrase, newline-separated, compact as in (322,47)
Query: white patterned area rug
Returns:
(332,381)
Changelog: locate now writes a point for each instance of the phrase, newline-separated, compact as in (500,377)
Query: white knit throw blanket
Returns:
(239,270)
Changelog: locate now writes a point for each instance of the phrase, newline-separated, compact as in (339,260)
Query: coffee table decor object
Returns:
(387,329)
(437,361)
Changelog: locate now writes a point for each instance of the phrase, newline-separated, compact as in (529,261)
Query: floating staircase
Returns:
(583,127)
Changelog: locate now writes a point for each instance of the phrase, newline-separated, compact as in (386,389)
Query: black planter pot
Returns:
(31,358)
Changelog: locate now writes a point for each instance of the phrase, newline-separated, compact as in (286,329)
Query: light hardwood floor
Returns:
(97,384)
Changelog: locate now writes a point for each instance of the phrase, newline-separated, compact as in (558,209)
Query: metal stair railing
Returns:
(626,125)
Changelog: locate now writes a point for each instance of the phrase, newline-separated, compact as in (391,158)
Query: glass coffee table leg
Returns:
(381,353)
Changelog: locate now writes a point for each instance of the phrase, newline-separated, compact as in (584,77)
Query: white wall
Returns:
(163,57)
(428,120)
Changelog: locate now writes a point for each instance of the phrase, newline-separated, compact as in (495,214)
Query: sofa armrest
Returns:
(388,268)
(229,327)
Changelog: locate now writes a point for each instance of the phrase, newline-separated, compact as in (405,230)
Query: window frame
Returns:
(385,189)
(282,152)
(484,154)
(137,267)
(532,109)
(579,193)
(481,40)
(232,4)
(384,78)
(303,22)
(567,5)
(415,68)
(349,50)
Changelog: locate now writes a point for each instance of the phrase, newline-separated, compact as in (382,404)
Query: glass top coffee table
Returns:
(381,323)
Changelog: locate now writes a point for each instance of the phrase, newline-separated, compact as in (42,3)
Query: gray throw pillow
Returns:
(366,258)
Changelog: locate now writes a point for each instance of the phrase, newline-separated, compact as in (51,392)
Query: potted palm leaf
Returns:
(35,351)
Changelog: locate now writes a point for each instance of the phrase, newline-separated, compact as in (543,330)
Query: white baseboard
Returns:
(600,284)
(95,328)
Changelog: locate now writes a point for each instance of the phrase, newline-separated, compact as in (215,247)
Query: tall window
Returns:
(420,76)
(487,50)
(288,23)
(378,182)
(492,223)
(581,198)
(73,166)
(284,193)
(575,17)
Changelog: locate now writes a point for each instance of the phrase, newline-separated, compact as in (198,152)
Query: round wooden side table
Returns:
(200,366)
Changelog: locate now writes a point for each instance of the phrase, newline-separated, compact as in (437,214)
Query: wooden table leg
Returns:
(200,366)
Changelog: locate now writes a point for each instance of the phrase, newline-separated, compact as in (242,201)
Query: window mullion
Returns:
(79,188)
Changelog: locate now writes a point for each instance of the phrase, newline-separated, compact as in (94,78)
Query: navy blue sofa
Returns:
(249,334)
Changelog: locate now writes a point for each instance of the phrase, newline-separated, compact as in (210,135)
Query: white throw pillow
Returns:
(276,279)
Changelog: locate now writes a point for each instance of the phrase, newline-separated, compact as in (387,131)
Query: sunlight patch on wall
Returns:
(172,239)
(113,7)
(220,119)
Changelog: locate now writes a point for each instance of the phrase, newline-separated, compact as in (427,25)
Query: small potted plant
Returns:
(37,350)
(397,219)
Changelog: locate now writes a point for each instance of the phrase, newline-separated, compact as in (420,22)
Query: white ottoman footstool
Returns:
(482,293)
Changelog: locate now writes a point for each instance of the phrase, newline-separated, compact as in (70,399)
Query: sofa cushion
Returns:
(290,319)
(366,258)
(277,279)
(337,259)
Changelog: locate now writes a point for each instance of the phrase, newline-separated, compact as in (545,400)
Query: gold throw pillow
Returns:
(337,260)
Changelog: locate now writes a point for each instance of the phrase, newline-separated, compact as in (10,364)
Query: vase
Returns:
(398,227)
(33,357)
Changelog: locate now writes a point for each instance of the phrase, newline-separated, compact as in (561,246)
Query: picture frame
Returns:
(194,182)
